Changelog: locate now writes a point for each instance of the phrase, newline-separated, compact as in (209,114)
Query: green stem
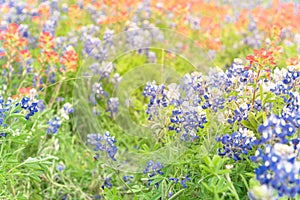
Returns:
(255,85)
(232,187)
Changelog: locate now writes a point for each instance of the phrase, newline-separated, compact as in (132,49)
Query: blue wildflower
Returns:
(112,105)
(54,125)
(236,144)
(276,129)
(152,169)
(104,142)
(60,167)
(182,181)
(107,183)
(127,179)
(240,113)
(278,168)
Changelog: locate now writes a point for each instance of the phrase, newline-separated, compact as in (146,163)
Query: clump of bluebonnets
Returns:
(103,143)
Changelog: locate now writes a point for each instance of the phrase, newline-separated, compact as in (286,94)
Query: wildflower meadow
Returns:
(150,99)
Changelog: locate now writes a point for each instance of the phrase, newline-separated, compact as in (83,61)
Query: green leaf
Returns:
(247,124)
(176,194)
(35,177)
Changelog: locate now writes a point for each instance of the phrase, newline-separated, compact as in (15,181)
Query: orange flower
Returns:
(70,59)
(44,10)
(275,31)
(22,92)
(24,55)
(51,56)
(74,12)
(13,41)
(46,41)
(292,61)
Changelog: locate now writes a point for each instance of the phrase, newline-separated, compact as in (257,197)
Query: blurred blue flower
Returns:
(104,142)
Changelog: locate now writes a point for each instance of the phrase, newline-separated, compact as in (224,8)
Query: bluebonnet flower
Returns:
(151,56)
(59,42)
(107,183)
(280,88)
(188,123)
(286,82)
(3,135)
(127,179)
(137,38)
(113,105)
(12,106)
(291,111)
(35,84)
(193,86)
(89,31)
(106,69)
(116,79)
(153,168)
(60,99)
(65,7)
(24,30)
(237,76)
(240,113)
(175,180)
(54,125)
(292,76)
(236,144)
(213,103)
(108,36)
(60,167)
(27,104)
(182,181)
(278,168)
(94,48)
(97,89)
(275,129)
(207,90)
(64,197)
(66,110)
(50,26)
(96,197)
(97,92)
(258,105)
(158,98)
(185,99)
(95,68)
(254,40)
(52,77)
(104,142)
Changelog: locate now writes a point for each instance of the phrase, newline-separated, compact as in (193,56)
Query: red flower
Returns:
(252,59)
(262,57)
